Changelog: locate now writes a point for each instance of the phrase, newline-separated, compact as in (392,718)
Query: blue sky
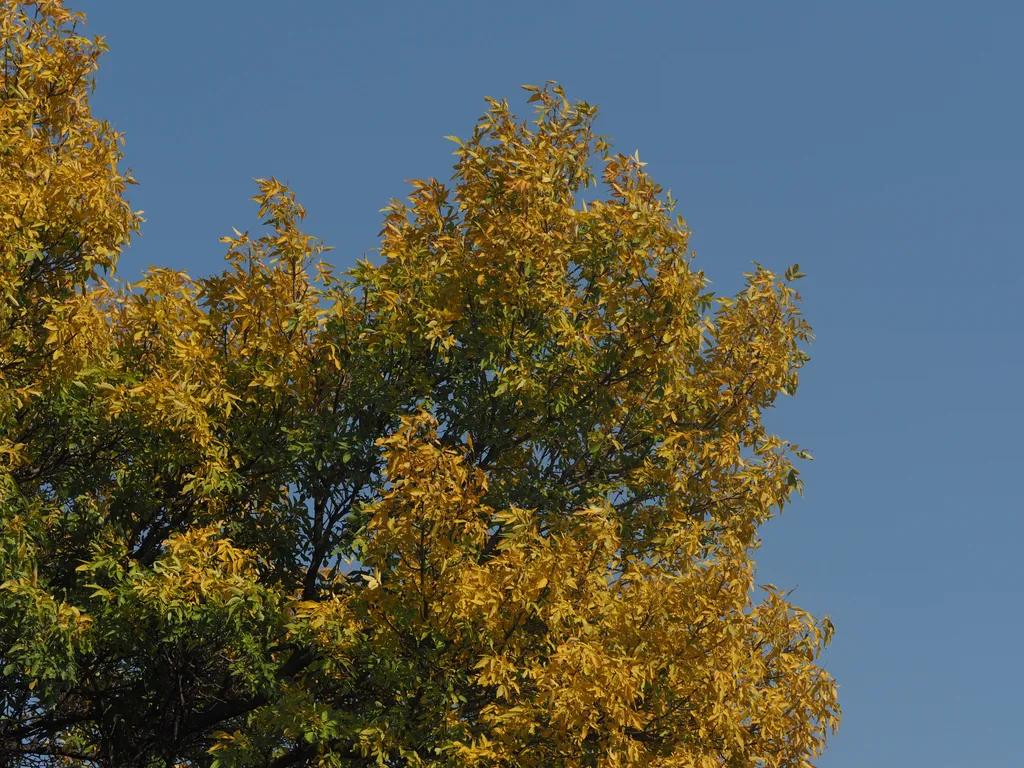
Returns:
(877,144)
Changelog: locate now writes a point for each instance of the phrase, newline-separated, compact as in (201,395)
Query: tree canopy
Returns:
(491,501)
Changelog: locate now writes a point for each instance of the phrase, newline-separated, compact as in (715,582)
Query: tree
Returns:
(490,502)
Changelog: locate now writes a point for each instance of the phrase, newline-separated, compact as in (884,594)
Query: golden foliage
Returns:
(490,502)
(62,216)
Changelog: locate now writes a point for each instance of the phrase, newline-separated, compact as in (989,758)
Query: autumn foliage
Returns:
(491,501)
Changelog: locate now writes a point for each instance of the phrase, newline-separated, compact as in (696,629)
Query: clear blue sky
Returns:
(878,144)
